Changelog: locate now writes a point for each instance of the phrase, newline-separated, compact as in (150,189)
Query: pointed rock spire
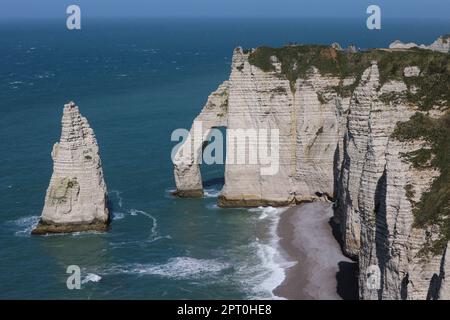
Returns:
(76,198)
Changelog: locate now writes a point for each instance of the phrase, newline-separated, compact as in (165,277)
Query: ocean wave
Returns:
(117,193)
(76,234)
(270,272)
(275,264)
(44,75)
(24,225)
(175,268)
(91,277)
(267,212)
(259,276)
(168,193)
(212,206)
(211,193)
(118,215)
(154,235)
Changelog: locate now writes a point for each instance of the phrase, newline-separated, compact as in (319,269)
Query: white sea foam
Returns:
(44,75)
(154,234)
(211,193)
(91,277)
(118,196)
(135,212)
(118,215)
(273,261)
(169,193)
(212,206)
(267,212)
(175,268)
(24,225)
(75,234)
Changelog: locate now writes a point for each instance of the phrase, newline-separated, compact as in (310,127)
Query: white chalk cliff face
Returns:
(307,128)
(442,44)
(186,170)
(76,198)
(340,146)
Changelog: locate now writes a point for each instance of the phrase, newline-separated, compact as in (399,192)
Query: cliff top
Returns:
(297,60)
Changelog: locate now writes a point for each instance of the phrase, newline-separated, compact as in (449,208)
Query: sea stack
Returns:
(76,198)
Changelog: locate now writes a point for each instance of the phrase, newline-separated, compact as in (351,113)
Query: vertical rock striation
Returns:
(337,113)
(188,157)
(76,198)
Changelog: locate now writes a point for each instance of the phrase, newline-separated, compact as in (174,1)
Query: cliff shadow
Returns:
(213,174)
(337,233)
(347,280)
(347,276)
(110,207)
(214,182)
(381,229)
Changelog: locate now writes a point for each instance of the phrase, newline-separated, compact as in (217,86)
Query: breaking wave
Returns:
(175,268)
(271,272)
(211,193)
(23,226)
(91,277)
(118,215)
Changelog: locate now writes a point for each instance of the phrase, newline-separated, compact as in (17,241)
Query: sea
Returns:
(137,80)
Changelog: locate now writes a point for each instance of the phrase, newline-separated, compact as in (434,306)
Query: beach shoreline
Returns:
(321,271)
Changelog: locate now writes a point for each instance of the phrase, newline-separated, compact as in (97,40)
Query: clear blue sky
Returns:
(408,9)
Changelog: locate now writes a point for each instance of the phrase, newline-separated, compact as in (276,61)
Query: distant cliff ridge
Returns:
(442,44)
(367,129)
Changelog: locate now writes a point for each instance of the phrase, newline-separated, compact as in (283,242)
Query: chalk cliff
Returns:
(442,44)
(76,198)
(358,128)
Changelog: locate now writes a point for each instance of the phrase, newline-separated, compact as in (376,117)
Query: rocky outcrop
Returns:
(76,198)
(189,156)
(397,44)
(442,44)
(337,140)
(260,100)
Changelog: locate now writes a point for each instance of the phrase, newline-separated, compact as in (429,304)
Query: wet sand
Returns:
(308,235)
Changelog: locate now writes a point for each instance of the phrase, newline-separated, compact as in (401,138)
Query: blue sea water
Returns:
(136,81)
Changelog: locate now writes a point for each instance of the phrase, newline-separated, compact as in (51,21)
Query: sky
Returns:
(406,9)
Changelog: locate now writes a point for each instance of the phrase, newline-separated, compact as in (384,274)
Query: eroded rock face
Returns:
(186,161)
(340,145)
(373,203)
(76,198)
(308,135)
(442,44)
(412,71)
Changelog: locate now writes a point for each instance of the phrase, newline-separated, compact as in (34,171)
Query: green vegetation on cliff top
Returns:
(432,88)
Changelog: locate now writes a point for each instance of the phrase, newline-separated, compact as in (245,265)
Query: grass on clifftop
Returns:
(433,86)
(433,209)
